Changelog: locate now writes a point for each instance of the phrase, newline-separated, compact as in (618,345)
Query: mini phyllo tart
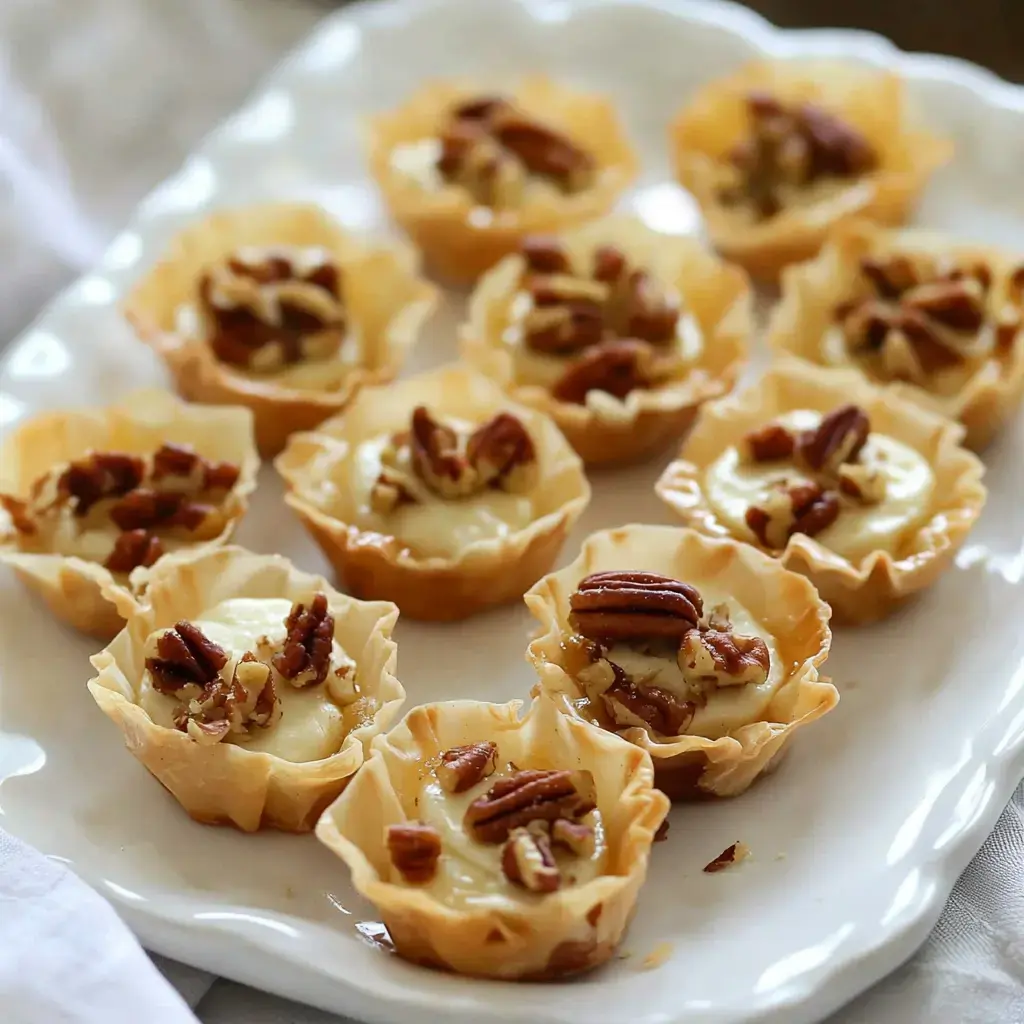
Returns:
(468,173)
(437,493)
(276,308)
(868,495)
(618,332)
(499,846)
(780,152)
(704,653)
(941,321)
(90,499)
(249,689)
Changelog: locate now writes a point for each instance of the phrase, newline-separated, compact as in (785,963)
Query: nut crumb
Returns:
(729,857)
(657,956)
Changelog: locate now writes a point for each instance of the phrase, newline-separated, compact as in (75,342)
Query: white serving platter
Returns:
(858,838)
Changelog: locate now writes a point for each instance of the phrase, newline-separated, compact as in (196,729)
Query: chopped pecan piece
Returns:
(567,314)
(97,476)
(959,304)
(803,507)
(249,698)
(770,443)
(645,311)
(436,456)
(264,311)
(305,656)
(183,462)
(545,255)
(731,855)
(651,706)
(723,658)
(865,483)
(615,367)
(414,849)
(610,264)
(184,655)
(132,549)
(148,509)
(573,836)
(839,438)
(546,152)
(628,605)
(527,860)
(525,796)
(718,619)
(461,768)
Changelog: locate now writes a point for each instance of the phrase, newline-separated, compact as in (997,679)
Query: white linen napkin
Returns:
(81,82)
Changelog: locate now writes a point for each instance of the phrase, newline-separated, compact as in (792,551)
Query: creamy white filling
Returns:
(436,526)
(312,724)
(469,872)
(726,708)
(542,370)
(732,484)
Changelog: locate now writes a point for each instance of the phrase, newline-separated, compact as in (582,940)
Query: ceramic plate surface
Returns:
(860,835)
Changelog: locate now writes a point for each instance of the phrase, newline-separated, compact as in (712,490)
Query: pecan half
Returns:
(436,455)
(132,549)
(414,849)
(659,710)
(305,655)
(770,443)
(527,860)
(525,796)
(184,655)
(724,658)
(545,255)
(546,152)
(97,476)
(148,509)
(628,605)
(614,367)
(803,507)
(461,768)
(567,314)
(839,438)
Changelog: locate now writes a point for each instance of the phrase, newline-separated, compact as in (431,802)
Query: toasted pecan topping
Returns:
(266,311)
(770,443)
(724,658)
(573,836)
(527,860)
(731,855)
(184,655)
(305,655)
(652,706)
(545,255)
(414,849)
(792,147)
(629,605)
(132,549)
(489,147)
(839,438)
(790,508)
(526,796)
(615,367)
(99,475)
(461,768)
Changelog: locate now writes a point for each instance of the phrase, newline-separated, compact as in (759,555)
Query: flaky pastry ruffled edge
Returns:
(717,294)
(873,101)
(689,767)
(224,783)
(384,296)
(82,593)
(561,933)
(439,222)
(375,565)
(811,290)
(871,590)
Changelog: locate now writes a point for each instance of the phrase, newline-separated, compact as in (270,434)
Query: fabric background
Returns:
(101,99)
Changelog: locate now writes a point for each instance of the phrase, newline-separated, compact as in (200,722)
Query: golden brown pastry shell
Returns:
(562,933)
(872,101)
(84,593)
(385,300)
(692,767)
(224,783)
(440,222)
(812,291)
(716,294)
(375,565)
(878,584)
